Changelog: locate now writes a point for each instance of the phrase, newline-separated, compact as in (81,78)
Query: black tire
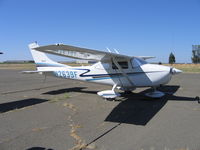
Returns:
(198,99)
(127,92)
(110,99)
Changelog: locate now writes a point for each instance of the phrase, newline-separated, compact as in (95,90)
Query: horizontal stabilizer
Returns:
(35,72)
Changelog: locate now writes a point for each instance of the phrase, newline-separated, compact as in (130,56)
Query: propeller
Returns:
(175,71)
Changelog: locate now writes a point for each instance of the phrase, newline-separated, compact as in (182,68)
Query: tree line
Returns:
(195,59)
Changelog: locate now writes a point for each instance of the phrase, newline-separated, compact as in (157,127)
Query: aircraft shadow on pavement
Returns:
(5,107)
(74,89)
(134,108)
(139,110)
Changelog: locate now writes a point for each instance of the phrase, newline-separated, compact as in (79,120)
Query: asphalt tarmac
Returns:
(60,114)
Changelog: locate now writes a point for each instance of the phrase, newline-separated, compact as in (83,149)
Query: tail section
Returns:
(41,59)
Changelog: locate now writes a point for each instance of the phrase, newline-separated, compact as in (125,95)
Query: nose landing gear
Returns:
(155,93)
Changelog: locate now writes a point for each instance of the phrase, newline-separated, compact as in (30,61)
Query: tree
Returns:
(172,58)
(195,58)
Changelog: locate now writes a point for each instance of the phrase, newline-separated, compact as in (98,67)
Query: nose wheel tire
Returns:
(155,93)
(110,99)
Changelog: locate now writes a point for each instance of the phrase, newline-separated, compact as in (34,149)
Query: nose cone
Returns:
(175,71)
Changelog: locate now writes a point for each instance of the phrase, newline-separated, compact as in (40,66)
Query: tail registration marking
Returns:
(66,74)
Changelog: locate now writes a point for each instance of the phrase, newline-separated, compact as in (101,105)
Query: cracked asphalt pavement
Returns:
(63,114)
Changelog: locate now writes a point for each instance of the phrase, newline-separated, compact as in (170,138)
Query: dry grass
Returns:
(59,98)
(70,106)
(80,143)
(192,68)
(18,66)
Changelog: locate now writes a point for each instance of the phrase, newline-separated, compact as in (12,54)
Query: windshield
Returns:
(136,62)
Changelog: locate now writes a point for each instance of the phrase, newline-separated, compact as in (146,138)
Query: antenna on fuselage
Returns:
(108,50)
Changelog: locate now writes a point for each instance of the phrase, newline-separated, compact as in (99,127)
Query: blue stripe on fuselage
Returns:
(103,78)
(49,65)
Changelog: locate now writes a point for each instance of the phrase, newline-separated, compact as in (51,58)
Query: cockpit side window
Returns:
(123,64)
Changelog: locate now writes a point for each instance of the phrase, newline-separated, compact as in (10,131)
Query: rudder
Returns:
(41,58)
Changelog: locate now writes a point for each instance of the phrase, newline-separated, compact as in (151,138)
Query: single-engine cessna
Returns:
(123,72)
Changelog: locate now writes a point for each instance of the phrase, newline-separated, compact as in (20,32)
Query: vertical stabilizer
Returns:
(41,58)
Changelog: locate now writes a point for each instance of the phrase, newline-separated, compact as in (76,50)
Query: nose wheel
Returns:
(155,93)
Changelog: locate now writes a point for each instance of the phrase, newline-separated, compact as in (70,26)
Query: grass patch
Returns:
(59,98)
(25,66)
(192,68)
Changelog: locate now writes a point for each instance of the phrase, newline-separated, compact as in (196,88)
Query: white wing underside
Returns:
(82,53)
(78,53)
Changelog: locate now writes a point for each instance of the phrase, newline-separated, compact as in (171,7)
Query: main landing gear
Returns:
(109,94)
(128,92)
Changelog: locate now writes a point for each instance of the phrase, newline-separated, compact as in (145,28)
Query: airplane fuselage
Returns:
(147,75)
(123,72)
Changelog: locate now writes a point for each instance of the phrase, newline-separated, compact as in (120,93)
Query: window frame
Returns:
(123,65)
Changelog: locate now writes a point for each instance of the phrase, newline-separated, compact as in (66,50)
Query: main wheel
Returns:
(110,99)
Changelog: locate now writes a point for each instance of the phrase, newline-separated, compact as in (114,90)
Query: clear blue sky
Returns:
(133,27)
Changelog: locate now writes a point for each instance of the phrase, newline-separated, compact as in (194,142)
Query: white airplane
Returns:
(123,72)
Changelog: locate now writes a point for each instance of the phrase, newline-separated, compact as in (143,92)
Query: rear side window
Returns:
(123,64)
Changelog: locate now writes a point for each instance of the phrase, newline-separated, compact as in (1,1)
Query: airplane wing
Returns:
(78,53)
(84,53)
(146,57)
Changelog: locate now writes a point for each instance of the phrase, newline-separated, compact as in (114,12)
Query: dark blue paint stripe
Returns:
(104,78)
